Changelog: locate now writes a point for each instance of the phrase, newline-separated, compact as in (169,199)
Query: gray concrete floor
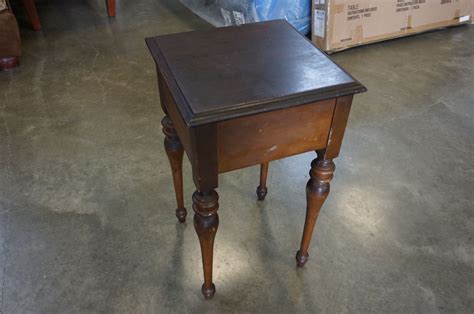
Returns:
(87,219)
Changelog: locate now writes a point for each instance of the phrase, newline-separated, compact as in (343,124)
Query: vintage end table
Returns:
(240,96)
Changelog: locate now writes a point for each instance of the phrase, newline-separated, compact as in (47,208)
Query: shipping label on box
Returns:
(339,24)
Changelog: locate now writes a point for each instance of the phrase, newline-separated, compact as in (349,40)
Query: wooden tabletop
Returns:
(229,72)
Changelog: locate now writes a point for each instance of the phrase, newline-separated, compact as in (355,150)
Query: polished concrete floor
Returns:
(87,219)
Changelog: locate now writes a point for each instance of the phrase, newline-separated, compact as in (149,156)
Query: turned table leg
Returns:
(262,188)
(317,190)
(206,222)
(174,150)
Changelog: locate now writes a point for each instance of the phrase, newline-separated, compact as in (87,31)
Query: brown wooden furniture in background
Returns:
(236,97)
(33,16)
(10,42)
(32,13)
(110,7)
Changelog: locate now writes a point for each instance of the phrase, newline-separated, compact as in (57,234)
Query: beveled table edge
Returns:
(195,119)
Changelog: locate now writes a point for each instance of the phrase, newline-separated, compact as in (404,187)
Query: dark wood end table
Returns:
(240,96)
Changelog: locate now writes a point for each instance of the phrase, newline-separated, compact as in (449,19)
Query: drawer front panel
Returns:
(251,140)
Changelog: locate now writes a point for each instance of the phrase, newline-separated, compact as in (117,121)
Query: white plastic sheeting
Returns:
(236,12)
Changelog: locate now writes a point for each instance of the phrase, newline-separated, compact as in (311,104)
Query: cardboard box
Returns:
(472,11)
(341,24)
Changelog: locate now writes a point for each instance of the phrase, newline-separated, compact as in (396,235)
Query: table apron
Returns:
(252,140)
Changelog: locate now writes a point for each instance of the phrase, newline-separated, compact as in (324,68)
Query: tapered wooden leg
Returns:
(206,222)
(174,150)
(110,7)
(32,14)
(317,190)
(262,188)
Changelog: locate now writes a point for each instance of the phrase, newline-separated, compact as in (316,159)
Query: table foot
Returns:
(208,292)
(317,191)
(301,259)
(261,192)
(181,214)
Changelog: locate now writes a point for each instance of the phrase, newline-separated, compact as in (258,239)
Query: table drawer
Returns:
(251,140)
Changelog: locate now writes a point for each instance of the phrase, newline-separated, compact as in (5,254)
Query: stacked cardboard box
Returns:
(341,24)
